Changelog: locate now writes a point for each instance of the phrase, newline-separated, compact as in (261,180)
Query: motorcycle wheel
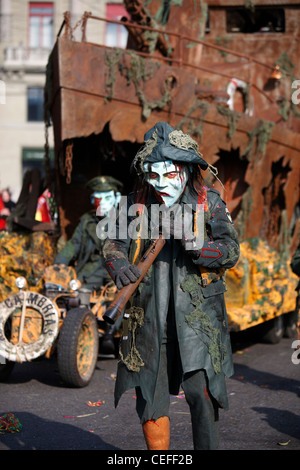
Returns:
(77,349)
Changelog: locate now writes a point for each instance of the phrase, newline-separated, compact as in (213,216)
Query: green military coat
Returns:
(84,251)
(200,312)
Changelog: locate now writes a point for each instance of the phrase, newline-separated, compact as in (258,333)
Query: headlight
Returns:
(20,282)
(74,284)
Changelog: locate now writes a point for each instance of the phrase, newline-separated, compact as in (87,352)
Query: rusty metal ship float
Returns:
(197,66)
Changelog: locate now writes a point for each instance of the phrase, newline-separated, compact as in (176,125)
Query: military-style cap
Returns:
(104,183)
(162,142)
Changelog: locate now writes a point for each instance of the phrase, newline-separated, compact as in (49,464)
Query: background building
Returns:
(27,34)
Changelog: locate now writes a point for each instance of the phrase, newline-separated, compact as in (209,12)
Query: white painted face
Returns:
(167,179)
(104,201)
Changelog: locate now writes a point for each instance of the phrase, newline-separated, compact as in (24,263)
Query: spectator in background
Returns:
(6,206)
(6,197)
(23,216)
(43,213)
(2,214)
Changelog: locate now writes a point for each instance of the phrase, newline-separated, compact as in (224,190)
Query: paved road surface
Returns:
(263,394)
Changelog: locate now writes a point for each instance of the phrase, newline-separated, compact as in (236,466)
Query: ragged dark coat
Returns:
(197,287)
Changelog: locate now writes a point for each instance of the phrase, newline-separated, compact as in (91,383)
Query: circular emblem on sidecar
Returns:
(29,324)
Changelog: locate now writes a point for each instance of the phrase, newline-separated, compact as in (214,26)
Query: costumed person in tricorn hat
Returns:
(175,331)
(84,249)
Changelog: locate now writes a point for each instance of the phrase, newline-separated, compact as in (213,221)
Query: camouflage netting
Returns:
(24,255)
(260,287)
(59,274)
(137,72)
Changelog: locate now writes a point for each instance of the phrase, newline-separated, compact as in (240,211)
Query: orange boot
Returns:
(157,433)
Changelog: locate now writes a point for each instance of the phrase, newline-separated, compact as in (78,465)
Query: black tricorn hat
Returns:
(104,183)
(162,142)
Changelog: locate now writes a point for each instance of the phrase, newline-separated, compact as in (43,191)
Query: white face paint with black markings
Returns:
(168,179)
(104,201)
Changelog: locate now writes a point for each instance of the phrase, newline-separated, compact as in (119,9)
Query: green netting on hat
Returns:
(162,142)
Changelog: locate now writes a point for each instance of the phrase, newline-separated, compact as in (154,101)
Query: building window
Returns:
(41,24)
(259,20)
(116,34)
(35,104)
(34,158)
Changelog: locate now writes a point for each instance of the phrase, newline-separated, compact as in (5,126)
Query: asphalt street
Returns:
(264,411)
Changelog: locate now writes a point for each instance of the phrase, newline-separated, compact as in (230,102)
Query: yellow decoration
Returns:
(24,255)
(260,286)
